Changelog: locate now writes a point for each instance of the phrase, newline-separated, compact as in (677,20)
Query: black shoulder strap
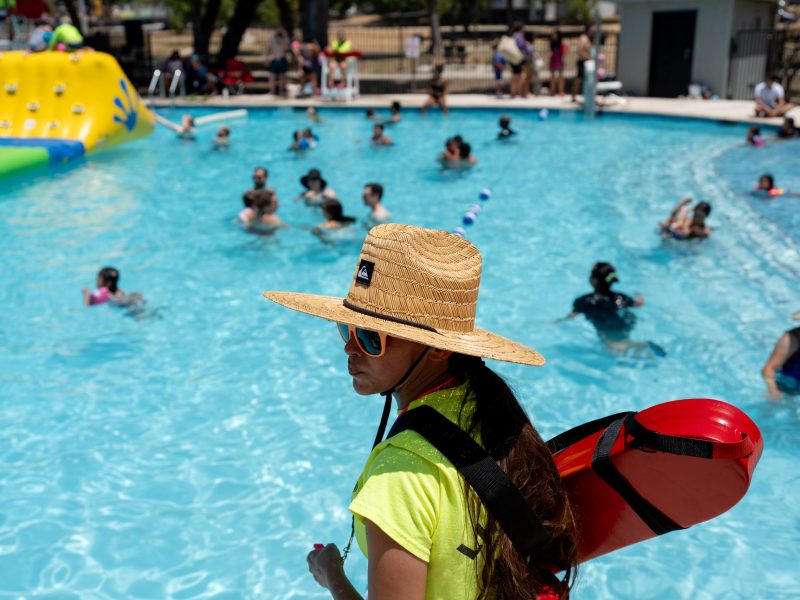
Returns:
(495,489)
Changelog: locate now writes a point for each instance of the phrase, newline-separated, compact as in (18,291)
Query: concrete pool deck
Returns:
(740,111)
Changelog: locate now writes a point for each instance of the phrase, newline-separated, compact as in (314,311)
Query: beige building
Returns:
(667,44)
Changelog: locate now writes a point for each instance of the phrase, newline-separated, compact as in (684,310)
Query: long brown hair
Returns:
(508,435)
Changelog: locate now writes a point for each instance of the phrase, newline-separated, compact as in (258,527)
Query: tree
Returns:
(436,30)
(314,21)
(204,18)
(237,25)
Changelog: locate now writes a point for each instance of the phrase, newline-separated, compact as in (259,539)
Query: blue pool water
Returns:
(200,449)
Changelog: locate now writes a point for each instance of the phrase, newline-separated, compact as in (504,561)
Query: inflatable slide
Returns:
(57,106)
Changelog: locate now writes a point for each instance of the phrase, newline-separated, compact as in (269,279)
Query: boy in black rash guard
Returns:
(610,313)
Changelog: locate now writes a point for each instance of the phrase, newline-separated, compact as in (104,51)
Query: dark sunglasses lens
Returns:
(344,331)
(370,341)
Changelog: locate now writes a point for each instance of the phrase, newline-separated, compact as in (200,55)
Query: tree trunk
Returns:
(287,16)
(240,20)
(73,14)
(314,19)
(203,22)
(436,31)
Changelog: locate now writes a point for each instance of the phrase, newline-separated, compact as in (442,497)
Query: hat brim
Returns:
(305,179)
(478,342)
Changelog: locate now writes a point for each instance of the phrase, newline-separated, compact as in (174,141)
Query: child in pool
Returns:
(505,128)
(223,139)
(766,185)
(107,290)
(754,137)
(186,130)
(680,226)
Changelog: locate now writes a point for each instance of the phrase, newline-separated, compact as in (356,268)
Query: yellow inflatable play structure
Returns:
(56,106)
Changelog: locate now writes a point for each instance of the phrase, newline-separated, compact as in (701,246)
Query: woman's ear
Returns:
(438,355)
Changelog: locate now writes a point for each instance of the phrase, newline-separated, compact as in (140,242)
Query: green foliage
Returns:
(581,11)
(181,11)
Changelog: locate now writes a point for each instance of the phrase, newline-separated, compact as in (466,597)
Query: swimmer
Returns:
(458,155)
(107,290)
(788,129)
(334,217)
(394,110)
(223,139)
(317,190)
(781,372)
(378,137)
(372,196)
(371,115)
(311,112)
(766,185)
(680,226)
(186,130)
(451,150)
(260,215)
(610,313)
(299,142)
(505,128)
(754,137)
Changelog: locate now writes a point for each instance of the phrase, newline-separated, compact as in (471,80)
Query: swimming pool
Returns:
(199,449)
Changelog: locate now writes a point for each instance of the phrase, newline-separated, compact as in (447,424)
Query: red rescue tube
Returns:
(633,476)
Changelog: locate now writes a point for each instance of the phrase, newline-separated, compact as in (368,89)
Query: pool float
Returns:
(629,476)
(57,106)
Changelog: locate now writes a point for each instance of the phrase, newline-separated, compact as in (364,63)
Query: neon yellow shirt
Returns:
(341,47)
(416,496)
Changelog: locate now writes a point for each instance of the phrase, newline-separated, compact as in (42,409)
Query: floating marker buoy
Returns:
(485,194)
(543,114)
(475,208)
(469,218)
(459,231)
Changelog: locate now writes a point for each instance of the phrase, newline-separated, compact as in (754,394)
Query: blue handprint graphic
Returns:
(129,114)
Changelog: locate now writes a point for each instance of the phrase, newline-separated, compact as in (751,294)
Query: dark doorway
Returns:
(671,51)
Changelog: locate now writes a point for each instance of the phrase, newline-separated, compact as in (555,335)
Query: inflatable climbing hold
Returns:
(633,476)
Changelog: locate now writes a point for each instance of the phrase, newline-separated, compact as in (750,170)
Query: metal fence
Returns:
(756,53)
(385,67)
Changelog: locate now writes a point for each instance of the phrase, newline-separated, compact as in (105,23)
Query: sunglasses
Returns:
(371,343)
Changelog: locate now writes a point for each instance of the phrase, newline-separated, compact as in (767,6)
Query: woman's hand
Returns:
(327,567)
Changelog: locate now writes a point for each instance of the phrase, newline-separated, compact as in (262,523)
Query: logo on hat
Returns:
(364,274)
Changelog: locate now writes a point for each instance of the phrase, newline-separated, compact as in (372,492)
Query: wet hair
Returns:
(110,278)
(333,208)
(770,179)
(458,138)
(702,209)
(307,132)
(464,150)
(262,169)
(370,113)
(753,131)
(508,435)
(504,121)
(378,127)
(603,275)
(438,70)
(296,135)
(376,189)
(395,107)
(223,132)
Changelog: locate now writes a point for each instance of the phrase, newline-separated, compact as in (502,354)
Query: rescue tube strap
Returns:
(686,446)
(571,436)
(495,489)
(656,520)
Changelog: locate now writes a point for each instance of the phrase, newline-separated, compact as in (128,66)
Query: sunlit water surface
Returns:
(201,448)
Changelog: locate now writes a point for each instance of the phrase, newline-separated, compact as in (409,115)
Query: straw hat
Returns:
(415,284)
